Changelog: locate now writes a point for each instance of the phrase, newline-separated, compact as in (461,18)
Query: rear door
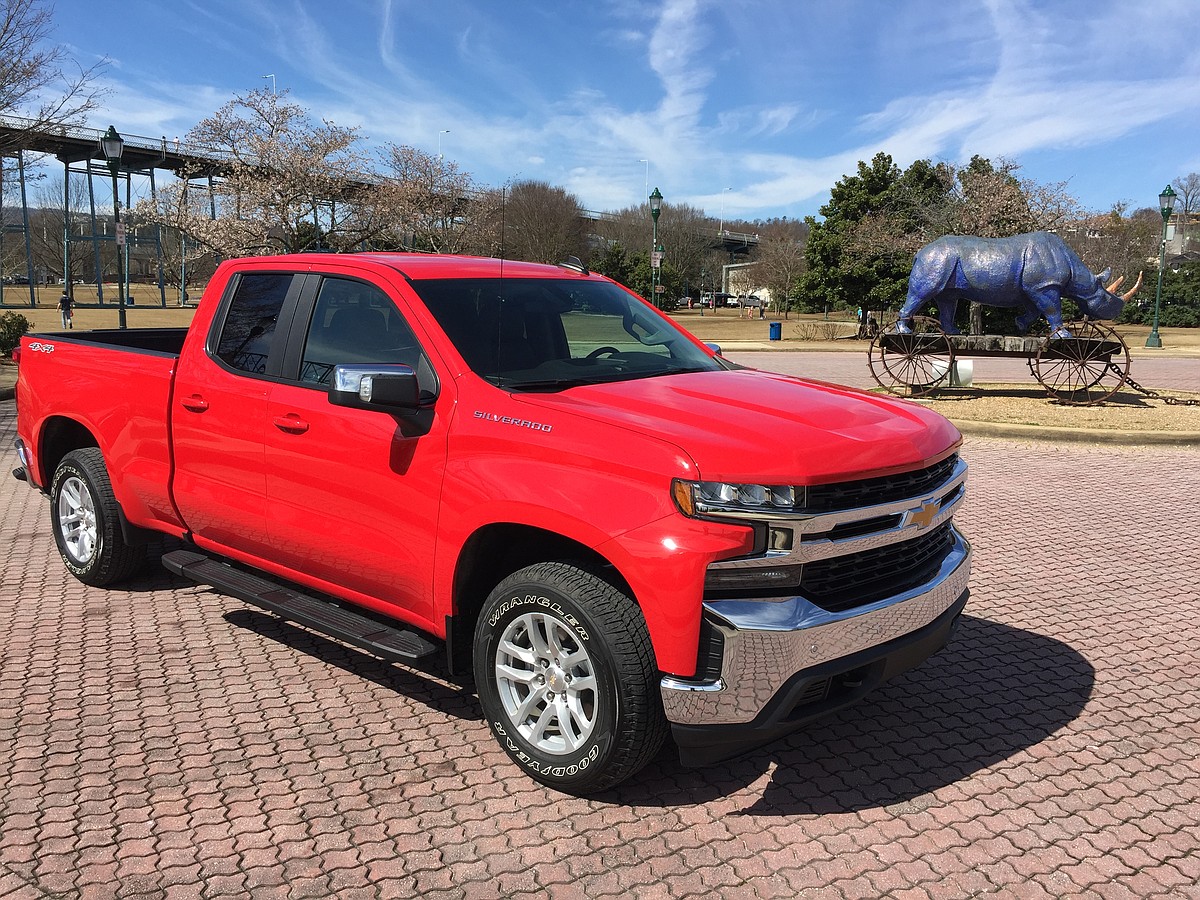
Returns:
(219,413)
(354,494)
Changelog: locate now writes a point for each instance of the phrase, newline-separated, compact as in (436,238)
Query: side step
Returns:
(391,643)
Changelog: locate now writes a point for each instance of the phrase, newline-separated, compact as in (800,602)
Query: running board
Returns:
(393,644)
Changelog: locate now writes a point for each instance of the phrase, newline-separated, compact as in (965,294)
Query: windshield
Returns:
(550,334)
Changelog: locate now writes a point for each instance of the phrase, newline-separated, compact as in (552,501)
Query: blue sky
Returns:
(745,109)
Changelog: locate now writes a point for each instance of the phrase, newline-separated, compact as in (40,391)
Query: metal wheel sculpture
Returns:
(912,365)
(1085,369)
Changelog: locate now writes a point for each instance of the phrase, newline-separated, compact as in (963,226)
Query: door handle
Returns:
(194,403)
(291,423)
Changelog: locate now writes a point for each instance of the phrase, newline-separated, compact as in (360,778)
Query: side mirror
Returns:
(387,388)
(715,348)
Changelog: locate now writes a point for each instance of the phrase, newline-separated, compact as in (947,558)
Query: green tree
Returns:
(1179,306)
(841,273)
(613,262)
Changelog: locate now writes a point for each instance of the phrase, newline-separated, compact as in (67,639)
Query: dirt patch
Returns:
(814,332)
(1022,405)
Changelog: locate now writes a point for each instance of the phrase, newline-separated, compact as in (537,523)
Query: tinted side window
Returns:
(354,322)
(250,321)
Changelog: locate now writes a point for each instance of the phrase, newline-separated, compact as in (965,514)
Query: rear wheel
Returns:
(566,677)
(86,523)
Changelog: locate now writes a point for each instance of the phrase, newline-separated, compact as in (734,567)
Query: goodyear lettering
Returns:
(509,420)
(556,771)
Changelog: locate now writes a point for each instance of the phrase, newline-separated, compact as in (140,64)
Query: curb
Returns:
(1078,435)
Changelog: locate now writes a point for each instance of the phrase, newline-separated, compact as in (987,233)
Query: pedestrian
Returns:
(64,307)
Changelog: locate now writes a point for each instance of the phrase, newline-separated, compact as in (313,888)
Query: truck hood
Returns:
(747,425)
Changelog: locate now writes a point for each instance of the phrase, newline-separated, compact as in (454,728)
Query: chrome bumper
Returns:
(766,643)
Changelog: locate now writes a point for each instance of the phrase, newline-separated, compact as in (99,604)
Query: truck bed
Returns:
(116,384)
(154,340)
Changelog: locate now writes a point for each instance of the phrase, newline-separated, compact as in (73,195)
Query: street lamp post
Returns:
(656,251)
(1166,205)
(721,227)
(113,147)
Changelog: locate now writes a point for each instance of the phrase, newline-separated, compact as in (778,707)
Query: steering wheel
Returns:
(600,351)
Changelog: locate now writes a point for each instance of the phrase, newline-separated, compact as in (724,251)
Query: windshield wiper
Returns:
(549,384)
(681,370)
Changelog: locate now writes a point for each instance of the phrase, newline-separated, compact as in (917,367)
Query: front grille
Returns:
(845,582)
(821,498)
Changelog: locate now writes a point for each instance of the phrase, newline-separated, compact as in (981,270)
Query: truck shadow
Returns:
(993,692)
(425,681)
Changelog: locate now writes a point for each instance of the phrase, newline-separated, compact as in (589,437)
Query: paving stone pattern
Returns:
(166,741)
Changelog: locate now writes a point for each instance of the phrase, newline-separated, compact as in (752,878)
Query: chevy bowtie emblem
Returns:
(923,516)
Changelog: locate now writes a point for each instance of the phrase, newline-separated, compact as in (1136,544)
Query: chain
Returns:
(1170,401)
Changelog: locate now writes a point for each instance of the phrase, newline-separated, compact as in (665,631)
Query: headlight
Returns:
(720,498)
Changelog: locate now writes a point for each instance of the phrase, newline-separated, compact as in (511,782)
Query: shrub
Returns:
(821,331)
(12,326)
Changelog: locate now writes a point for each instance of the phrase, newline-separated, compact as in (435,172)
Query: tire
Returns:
(86,524)
(566,676)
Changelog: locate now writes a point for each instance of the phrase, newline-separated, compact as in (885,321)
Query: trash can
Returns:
(777,331)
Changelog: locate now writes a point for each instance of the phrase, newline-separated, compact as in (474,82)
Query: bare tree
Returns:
(629,229)
(1188,189)
(686,233)
(48,225)
(34,82)
(1051,206)
(1116,239)
(435,206)
(781,260)
(543,223)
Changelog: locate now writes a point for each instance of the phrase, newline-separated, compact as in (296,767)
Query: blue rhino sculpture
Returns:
(1030,272)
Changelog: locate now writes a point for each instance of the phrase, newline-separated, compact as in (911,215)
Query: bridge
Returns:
(735,243)
(79,150)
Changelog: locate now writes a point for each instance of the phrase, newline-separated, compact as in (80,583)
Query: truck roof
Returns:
(419,266)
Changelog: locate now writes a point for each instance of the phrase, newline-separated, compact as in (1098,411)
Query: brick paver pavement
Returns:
(166,741)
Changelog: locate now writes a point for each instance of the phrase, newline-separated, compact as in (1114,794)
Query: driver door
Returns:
(353,494)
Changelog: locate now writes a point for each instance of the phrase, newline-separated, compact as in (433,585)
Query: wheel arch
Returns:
(59,436)
(494,552)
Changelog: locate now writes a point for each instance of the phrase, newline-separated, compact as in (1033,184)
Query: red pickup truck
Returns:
(526,467)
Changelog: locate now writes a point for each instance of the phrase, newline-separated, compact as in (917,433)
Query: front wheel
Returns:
(86,522)
(566,677)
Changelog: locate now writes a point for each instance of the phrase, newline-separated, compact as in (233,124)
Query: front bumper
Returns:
(787,662)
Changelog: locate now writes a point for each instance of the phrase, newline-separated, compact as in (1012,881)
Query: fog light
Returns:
(753,578)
